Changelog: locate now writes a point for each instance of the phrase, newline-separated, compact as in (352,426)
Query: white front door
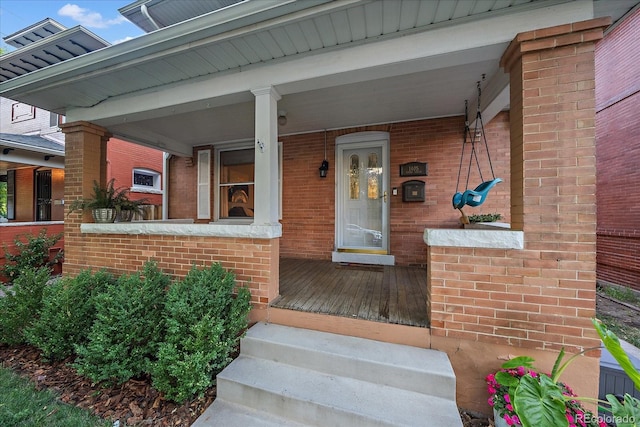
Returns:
(362,198)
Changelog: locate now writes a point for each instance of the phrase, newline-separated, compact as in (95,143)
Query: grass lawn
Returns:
(22,405)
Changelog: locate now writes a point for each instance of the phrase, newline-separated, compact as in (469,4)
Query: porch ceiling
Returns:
(336,64)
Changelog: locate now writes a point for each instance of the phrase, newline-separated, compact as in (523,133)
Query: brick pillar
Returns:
(85,161)
(553,168)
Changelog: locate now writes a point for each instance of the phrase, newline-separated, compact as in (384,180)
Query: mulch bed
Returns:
(134,403)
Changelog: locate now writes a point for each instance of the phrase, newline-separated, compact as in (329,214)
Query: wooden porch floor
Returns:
(388,294)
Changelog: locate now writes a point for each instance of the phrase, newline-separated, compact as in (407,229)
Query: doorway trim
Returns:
(360,139)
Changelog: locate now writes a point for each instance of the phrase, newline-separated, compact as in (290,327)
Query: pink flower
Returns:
(521,371)
(490,400)
(509,407)
(491,389)
(490,378)
(511,420)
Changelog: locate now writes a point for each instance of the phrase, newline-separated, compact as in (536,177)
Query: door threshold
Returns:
(363,258)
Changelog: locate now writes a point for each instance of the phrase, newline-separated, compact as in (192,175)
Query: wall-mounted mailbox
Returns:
(413,191)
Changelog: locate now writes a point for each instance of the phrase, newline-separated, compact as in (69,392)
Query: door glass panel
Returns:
(362,215)
(354,177)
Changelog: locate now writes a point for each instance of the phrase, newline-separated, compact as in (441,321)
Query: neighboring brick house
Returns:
(252,98)
(618,153)
(32,158)
(33,145)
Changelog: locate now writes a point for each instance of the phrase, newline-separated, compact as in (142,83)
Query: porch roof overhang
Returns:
(18,151)
(336,64)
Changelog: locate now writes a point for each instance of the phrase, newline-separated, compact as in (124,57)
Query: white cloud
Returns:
(87,18)
(123,40)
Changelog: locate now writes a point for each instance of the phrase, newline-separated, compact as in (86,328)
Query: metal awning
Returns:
(45,44)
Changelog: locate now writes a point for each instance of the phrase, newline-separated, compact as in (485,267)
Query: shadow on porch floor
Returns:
(388,294)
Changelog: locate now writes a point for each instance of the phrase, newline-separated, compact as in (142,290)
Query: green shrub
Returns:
(204,324)
(124,338)
(21,304)
(68,311)
(34,252)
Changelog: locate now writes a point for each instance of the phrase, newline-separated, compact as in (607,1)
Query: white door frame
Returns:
(354,141)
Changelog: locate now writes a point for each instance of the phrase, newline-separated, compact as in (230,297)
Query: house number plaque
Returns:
(413,169)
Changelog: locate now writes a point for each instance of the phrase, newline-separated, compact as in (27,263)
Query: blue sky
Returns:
(98,16)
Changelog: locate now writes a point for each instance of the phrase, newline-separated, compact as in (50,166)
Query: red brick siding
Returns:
(24,198)
(309,201)
(123,157)
(248,259)
(618,153)
(9,234)
(182,187)
(57,193)
(543,296)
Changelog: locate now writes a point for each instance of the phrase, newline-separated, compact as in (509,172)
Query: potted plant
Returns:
(127,208)
(102,203)
(522,396)
(517,375)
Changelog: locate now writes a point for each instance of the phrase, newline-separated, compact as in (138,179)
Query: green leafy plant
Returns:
(626,413)
(204,323)
(67,314)
(522,396)
(21,304)
(493,217)
(124,338)
(33,251)
(102,198)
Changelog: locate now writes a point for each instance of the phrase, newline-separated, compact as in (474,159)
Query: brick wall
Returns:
(540,299)
(123,157)
(182,187)
(9,234)
(248,259)
(254,261)
(24,199)
(618,153)
(309,201)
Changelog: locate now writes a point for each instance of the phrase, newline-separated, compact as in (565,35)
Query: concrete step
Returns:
(410,368)
(226,414)
(296,377)
(316,399)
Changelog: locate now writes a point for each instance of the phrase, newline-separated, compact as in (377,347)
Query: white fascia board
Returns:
(153,140)
(35,159)
(31,148)
(246,17)
(437,48)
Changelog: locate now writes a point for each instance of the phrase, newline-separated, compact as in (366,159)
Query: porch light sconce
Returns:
(47,158)
(282,117)
(7,151)
(324,167)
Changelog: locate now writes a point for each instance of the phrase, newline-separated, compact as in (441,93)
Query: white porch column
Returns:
(266,157)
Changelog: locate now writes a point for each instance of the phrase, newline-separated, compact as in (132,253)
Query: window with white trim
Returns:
(146,181)
(236,183)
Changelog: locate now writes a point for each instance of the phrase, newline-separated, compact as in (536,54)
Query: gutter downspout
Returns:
(165,186)
(145,12)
